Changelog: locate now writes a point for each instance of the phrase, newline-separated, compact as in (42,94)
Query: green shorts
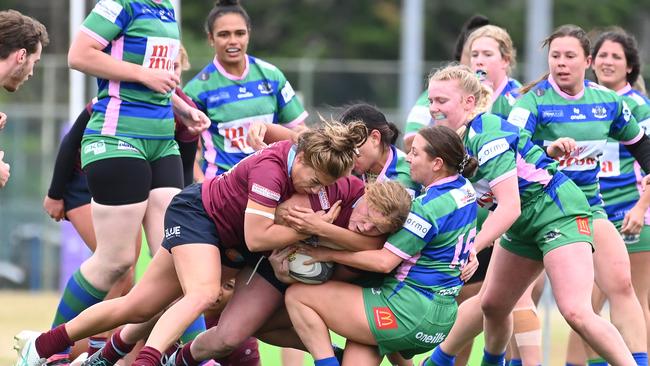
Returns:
(559,216)
(598,212)
(100,147)
(636,243)
(406,321)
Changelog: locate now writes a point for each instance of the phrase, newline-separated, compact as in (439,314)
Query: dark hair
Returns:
(569,30)
(373,119)
(630,48)
(566,30)
(19,31)
(443,142)
(475,21)
(223,7)
(331,149)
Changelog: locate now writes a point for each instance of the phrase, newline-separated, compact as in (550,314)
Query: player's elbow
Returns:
(384,265)
(75,61)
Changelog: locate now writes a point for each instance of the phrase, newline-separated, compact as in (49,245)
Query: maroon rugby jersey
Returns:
(347,189)
(263,177)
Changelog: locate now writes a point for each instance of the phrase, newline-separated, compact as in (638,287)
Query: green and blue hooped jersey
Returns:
(503,151)
(143,32)
(261,94)
(590,118)
(619,172)
(397,169)
(502,101)
(436,239)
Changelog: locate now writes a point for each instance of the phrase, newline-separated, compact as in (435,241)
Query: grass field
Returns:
(27,310)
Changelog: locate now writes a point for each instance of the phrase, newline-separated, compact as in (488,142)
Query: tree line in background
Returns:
(365,29)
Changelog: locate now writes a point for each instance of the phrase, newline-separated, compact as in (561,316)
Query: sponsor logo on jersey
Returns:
(324,200)
(96,148)
(431,339)
(463,196)
(553,113)
(265,192)
(171,232)
(577,115)
(491,150)
(519,116)
(584,157)
(540,92)
(265,87)
(384,318)
(121,145)
(552,235)
(161,53)
(287,93)
(244,93)
(221,96)
(599,111)
(375,291)
(610,161)
(486,200)
(417,225)
(108,9)
(583,225)
(627,114)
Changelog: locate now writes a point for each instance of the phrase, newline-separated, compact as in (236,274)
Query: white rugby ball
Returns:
(312,274)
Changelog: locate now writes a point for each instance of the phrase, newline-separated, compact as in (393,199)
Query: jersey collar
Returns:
(223,71)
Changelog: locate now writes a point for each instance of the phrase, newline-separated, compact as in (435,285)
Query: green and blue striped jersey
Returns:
(436,239)
(619,172)
(143,32)
(590,118)
(261,94)
(503,151)
(398,169)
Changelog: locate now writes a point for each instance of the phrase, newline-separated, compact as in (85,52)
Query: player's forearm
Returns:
(348,239)
(368,260)
(99,64)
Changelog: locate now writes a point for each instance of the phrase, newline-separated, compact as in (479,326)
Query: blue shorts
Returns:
(186,222)
(76,192)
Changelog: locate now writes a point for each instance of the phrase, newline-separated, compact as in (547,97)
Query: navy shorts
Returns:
(76,192)
(186,222)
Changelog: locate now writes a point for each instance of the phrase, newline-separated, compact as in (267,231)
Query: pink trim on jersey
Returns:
(499,89)
(529,172)
(298,121)
(444,180)
(95,36)
(113,107)
(210,154)
(563,94)
(624,90)
(503,177)
(634,140)
(404,268)
(395,250)
(639,176)
(225,73)
(382,175)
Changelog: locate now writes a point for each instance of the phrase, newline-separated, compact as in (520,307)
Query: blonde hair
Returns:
(331,149)
(185,59)
(468,82)
(391,199)
(502,37)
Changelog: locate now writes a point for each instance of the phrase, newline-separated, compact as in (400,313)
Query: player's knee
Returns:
(203,297)
(576,316)
(492,307)
(294,293)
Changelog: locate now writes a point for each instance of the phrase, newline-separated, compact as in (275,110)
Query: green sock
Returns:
(78,295)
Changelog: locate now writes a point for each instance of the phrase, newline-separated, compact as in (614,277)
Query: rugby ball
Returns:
(312,274)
